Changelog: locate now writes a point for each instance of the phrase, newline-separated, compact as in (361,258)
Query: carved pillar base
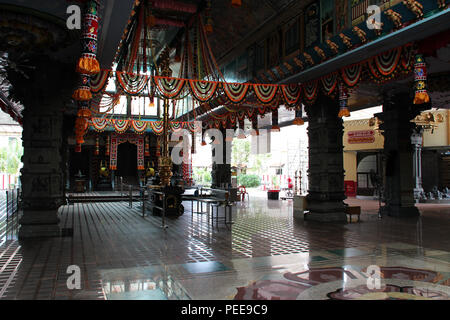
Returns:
(43,170)
(42,223)
(326,169)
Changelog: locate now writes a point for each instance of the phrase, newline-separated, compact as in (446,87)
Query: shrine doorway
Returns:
(127,163)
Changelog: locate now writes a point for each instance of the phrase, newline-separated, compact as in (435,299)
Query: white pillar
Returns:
(416,141)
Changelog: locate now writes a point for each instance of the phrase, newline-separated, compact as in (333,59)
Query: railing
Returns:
(9,213)
(128,190)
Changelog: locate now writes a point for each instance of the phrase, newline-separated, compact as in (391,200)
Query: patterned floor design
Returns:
(267,254)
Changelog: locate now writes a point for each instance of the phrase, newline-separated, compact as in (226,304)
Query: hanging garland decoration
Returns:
(175,126)
(99,124)
(351,75)
(113,155)
(157,127)
(420,78)
(99,81)
(203,91)
(147,146)
(262,110)
(224,122)
(291,93)
(108,146)
(87,65)
(132,84)
(138,126)
(329,83)
(265,92)
(386,62)
(343,101)
(241,115)
(232,117)
(241,131)
(236,92)
(120,125)
(407,58)
(97,146)
(83,92)
(169,88)
(192,126)
(310,91)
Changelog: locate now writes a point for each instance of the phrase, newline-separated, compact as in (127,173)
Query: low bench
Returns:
(353,211)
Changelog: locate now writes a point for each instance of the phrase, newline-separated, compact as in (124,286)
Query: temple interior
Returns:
(224,150)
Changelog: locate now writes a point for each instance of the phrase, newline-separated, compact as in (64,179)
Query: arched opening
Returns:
(127,163)
(367,165)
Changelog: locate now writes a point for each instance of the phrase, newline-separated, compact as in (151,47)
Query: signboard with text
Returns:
(361,136)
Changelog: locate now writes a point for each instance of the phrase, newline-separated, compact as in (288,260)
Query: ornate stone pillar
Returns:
(398,110)
(416,141)
(326,170)
(44,96)
(221,167)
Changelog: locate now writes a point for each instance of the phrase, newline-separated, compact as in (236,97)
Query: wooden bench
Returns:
(353,211)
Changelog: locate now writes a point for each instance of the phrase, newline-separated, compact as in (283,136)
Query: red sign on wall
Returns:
(361,136)
(350,188)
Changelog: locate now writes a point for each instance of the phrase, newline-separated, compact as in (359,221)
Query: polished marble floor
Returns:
(265,254)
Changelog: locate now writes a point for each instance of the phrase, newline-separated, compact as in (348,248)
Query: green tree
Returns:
(202,176)
(10,157)
(240,153)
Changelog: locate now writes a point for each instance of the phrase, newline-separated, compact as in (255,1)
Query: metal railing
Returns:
(9,213)
(128,190)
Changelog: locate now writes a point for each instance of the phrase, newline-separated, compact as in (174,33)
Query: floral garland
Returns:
(236,92)
(138,126)
(99,81)
(120,125)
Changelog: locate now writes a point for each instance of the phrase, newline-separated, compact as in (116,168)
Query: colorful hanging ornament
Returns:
(209,21)
(83,92)
(88,63)
(203,138)
(107,146)
(343,101)
(298,121)
(420,78)
(97,146)
(147,146)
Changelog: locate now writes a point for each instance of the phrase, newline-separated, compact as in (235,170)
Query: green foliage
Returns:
(10,157)
(249,181)
(202,176)
(240,153)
